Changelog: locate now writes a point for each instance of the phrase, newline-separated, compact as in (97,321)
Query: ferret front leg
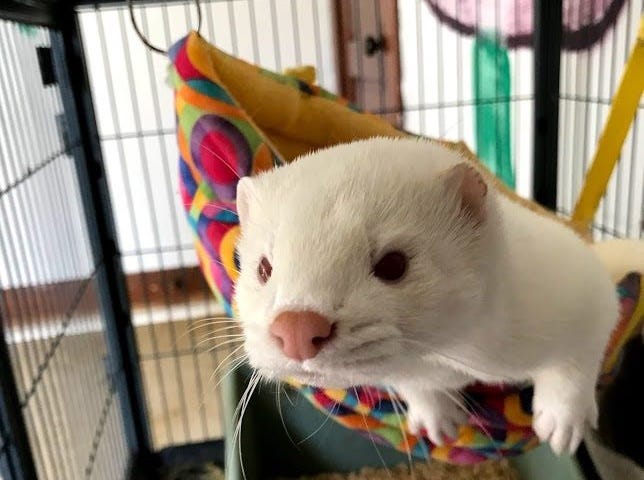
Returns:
(563,404)
(434,411)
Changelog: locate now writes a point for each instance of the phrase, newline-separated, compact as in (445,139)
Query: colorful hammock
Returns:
(235,119)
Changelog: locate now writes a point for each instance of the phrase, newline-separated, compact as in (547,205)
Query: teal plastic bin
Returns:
(318,444)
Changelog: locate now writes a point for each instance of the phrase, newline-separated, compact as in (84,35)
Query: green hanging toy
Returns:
(491,84)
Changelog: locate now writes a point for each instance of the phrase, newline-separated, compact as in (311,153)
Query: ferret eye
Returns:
(264,270)
(391,267)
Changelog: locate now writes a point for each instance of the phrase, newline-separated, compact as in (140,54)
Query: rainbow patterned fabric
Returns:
(218,143)
(500,418)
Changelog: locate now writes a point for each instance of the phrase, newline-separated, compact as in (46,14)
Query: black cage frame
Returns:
(71,73)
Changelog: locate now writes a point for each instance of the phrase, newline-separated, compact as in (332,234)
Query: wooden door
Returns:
(369,56)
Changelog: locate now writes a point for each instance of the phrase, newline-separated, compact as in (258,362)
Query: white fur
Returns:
(517,298)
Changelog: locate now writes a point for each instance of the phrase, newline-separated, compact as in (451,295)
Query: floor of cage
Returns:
(494,470)
(177,366)
(182,401)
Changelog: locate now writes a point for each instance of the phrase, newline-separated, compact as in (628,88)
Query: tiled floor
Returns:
(73,415)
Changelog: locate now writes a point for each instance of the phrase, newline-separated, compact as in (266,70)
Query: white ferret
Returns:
(391,262)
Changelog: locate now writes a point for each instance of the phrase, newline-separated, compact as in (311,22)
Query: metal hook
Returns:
(130,6)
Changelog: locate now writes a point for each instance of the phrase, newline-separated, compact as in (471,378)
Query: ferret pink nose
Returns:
(301,335)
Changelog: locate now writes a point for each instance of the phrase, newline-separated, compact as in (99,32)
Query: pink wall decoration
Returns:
(584,21)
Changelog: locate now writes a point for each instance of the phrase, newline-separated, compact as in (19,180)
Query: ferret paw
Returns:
(563,406)
(437,415)
(562,428)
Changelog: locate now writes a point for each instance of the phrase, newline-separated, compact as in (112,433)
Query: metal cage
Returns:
(100,371)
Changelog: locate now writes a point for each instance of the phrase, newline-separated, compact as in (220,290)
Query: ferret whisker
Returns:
(238,362)
(371,399)
(324,422)
(223,344)
(369,343)
(214,205)
(221,208)
(464,365)
(396,399)
(226,358)
(237,272)
(455,360)
(403,432)
(185,333)
(288,397)
(219,317)
(476,407)
(214,335)
(194,327)
(214,320)
(478,423)
(216,350)
(214,330)
(460,406)
(278,399)
(234,363)
(210,330)
(365,361)
(224,209)
(370,435)
(449,128)
(215,338)
(363,325)
(212,376)
(239,414)
(218,156)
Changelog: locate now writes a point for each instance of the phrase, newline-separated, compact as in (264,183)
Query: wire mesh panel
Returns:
(16,459)
(136,127)
(136,121)
(589,79)
(53,325)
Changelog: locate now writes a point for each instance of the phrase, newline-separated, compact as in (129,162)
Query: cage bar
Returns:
(95,149)
(547,47)
(15,446)
(98,214)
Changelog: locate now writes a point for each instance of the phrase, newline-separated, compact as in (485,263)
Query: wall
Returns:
(439,102)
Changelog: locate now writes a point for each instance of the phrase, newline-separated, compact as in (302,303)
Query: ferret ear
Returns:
(471,188)
(245,194)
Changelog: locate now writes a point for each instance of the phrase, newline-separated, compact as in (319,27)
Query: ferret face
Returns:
(357,260)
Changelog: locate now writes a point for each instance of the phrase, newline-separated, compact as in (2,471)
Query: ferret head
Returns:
(357,259)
